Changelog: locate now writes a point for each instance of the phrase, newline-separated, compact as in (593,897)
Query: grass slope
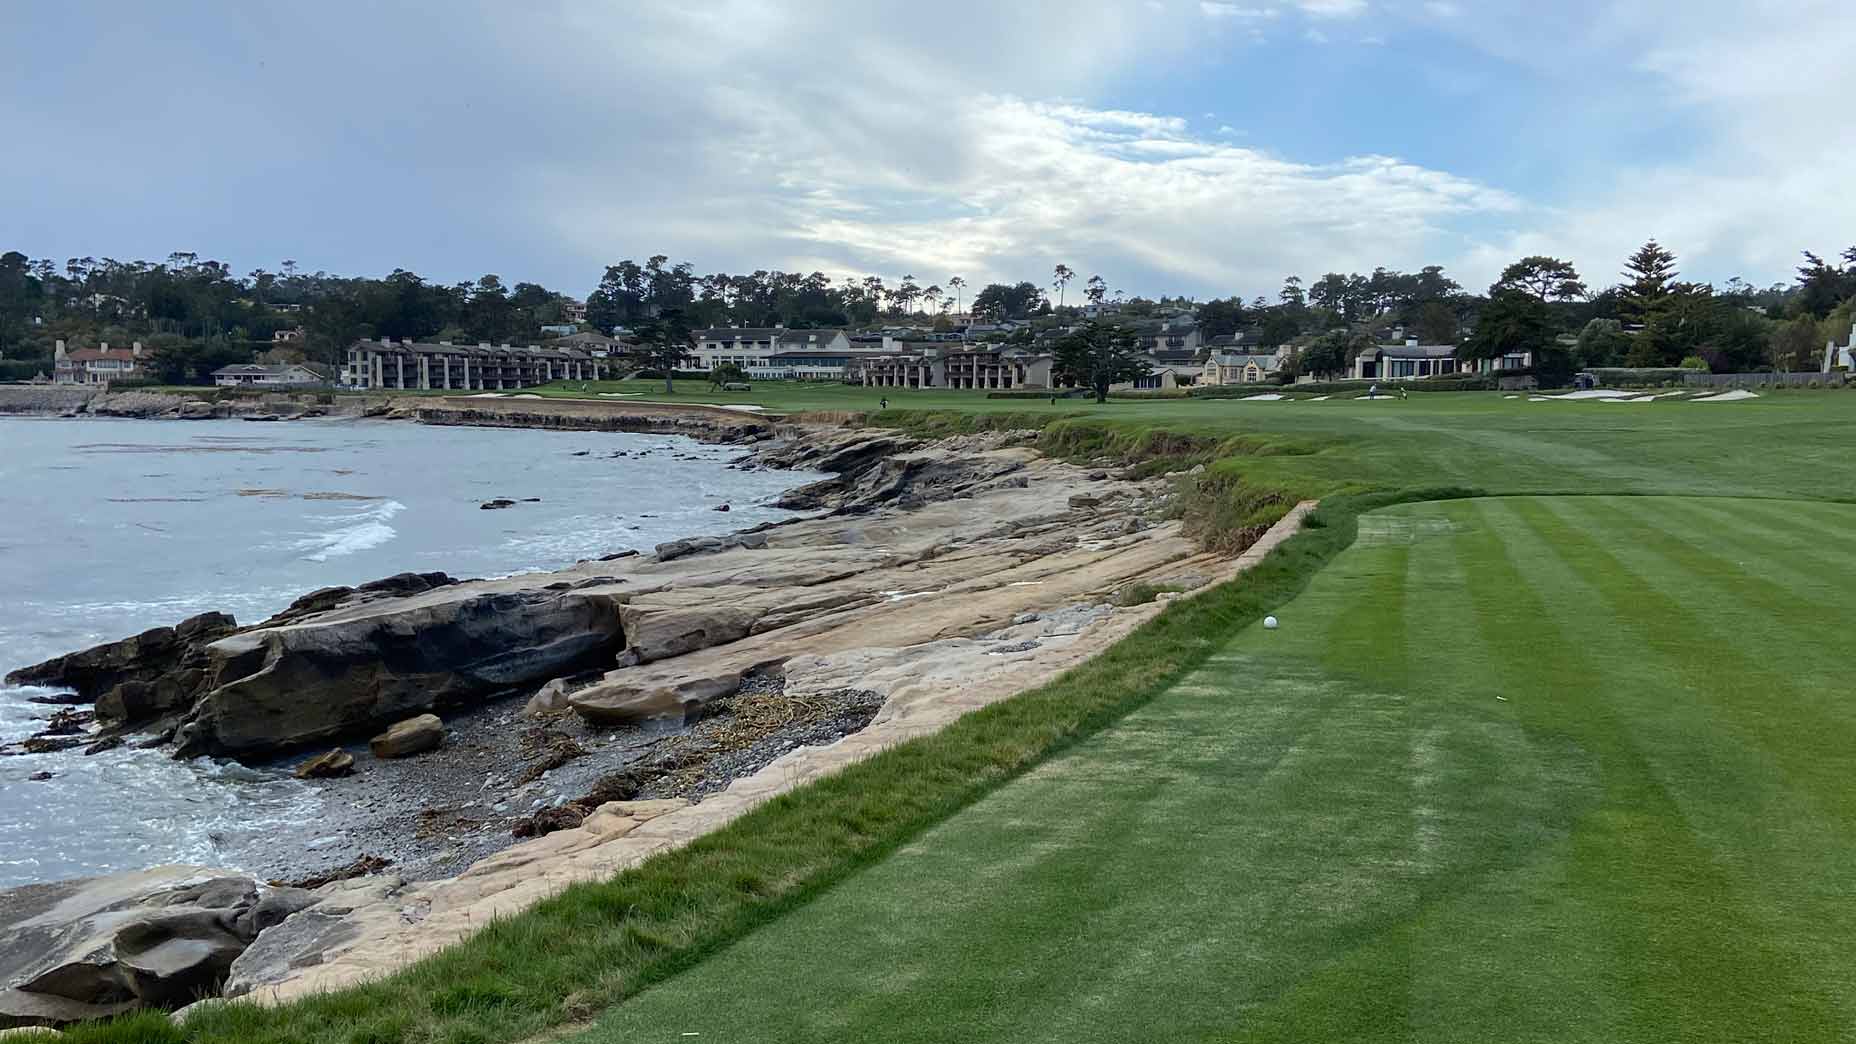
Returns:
(1336,831)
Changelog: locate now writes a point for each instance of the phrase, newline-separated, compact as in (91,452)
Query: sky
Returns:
(1198,147)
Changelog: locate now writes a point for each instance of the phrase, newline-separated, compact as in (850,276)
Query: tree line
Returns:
(197,314)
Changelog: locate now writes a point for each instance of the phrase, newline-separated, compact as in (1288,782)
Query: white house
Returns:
(1230,368)
(754,348)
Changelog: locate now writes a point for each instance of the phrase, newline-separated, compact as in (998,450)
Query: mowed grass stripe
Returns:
(1697,865)
(1789,587)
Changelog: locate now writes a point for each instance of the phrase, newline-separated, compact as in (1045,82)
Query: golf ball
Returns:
(1269,623)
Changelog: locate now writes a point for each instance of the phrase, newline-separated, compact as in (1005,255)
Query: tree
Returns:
(1327,355)
(1822,287)
(1435,323)
(664,341)
(1097,354)
(1060,278)
(1292,294)
(1515,321)
(1096,289)
(1220,317)
(725,373)
(959,284)
(998,301)
(1649,277)
(1547,278)
(1602,342)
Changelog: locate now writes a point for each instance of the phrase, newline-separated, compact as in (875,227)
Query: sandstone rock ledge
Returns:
(926,685)
(943,577)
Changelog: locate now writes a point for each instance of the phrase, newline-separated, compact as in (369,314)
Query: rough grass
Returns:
(1544,769)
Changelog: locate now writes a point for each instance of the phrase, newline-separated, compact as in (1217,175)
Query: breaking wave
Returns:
(353,532)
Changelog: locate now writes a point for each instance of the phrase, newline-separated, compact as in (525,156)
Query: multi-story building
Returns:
(478,367)
(992,367)
(753,348)
(100,365)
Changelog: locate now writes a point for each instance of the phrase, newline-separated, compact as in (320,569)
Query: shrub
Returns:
(1033,393)
(1694,362)
(1141,594)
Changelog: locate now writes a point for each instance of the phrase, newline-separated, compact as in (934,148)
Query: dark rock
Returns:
(497,504)
(614,557)
(548,820)
(1084,500)
(106,743)
(274,688)
(41,776)
(144,658)
(67,722)
(721,507)
(96,946)
(1097,476)
(335,763)
(362,866)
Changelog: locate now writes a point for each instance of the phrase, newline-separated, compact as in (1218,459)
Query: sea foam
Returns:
(351,533)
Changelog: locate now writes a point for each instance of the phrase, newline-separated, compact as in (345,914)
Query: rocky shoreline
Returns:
(600,713)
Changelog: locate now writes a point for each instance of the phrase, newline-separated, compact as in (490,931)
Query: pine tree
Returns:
(1649,275)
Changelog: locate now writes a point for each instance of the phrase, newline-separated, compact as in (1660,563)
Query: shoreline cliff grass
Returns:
(597,944)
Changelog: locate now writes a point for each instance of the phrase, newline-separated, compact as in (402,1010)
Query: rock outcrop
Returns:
(98,946)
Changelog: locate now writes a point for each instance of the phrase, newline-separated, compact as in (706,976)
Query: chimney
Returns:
(58,349)
(104,346)
(386,342)
(135,349)
(1411,342)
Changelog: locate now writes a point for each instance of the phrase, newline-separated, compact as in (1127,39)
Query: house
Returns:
(559,329)
(1236,368)
(294,335)
(573,310)
(1173,340)
(597,345)
(100,365)
(479,367)
(1398,362)
(752,347)
(281,376)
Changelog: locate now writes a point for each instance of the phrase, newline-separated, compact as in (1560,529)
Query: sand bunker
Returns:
(1733,396)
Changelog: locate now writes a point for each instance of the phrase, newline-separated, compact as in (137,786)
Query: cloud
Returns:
(1332,8)
(1725,129)
(1442,9)
(1218,9)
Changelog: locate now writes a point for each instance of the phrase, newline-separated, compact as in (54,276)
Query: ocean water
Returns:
(110,527)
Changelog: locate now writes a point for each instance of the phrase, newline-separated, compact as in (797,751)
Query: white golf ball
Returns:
(1269,623)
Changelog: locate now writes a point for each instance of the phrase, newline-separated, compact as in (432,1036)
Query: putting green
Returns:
(1512,769)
